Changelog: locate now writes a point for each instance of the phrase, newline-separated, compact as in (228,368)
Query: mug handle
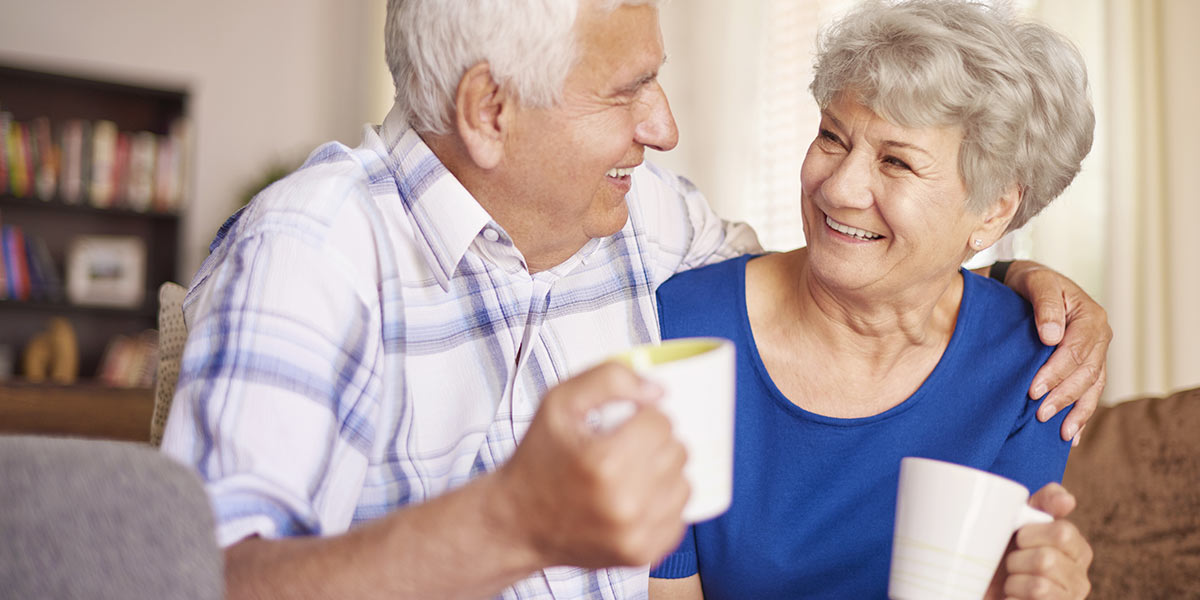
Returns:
(611,415)
(1029,515)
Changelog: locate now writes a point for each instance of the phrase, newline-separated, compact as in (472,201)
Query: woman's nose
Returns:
(849,183)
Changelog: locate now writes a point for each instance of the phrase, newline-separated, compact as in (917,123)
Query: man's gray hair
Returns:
(1018,90)
(528,44)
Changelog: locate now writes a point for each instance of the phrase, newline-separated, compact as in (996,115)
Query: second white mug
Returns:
(953,524)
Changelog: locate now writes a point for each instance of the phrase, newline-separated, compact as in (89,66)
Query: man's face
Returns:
(569,164)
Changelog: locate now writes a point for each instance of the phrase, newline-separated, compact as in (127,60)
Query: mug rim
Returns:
(671,349)
(974,471)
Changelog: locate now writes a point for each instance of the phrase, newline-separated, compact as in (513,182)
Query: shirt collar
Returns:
(444,213)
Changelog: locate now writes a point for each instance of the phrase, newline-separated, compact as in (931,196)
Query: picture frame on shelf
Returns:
(106,270)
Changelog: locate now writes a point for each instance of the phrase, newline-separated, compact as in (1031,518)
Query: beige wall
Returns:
(269,79)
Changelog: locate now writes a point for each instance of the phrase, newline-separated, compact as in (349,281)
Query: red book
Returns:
(120,174)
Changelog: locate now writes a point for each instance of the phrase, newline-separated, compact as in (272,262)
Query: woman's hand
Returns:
(1046,561)
(1066,316)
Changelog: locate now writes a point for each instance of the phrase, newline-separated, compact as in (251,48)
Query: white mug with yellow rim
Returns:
(697,377)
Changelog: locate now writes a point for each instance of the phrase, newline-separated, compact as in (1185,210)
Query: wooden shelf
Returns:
(83,410)
(61,207)
(147,309)
(29,95)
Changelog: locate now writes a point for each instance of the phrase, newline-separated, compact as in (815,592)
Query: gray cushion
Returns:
(102,519)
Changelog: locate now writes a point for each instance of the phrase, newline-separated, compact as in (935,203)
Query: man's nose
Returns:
(656,129)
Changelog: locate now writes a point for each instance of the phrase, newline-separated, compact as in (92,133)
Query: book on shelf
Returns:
(143,148)
(173,174)
(5,124)
(75,135)
(44,158)
(104,157)
(27,269)
(79,161)
(130,360)
(46,282)
(16,264)
(18,159)
(3,267)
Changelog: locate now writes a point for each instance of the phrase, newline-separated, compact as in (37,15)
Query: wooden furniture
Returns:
(1136,476)
(88,408)
(83,410)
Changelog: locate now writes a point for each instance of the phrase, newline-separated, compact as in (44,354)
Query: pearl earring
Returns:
(978,243)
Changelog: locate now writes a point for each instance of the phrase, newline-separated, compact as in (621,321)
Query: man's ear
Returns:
(480,113)
(996,218)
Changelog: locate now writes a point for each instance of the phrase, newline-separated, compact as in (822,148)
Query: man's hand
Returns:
(592,498)
(1066,316)
(1046,560)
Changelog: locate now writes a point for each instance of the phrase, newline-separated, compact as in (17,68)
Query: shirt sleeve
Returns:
(682,228)
(1034,453)
(680,563)
(275,403)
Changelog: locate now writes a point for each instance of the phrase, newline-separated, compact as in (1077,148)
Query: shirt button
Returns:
(490,235)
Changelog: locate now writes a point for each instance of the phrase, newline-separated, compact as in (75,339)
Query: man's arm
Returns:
(1068,317)
(569,496)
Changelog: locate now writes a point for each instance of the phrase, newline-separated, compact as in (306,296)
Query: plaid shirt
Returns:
(364,336)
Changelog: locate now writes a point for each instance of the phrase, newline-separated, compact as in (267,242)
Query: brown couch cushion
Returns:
(1136,475)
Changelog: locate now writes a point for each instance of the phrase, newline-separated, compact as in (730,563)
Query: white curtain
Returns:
(737,77)
(1153,286)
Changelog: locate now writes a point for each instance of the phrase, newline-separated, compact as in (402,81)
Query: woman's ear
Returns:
(996,219)
(481,110)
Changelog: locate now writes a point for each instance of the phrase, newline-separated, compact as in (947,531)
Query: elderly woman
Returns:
(944,125)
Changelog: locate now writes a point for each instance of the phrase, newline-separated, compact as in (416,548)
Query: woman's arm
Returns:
(1068,317)
(687,588)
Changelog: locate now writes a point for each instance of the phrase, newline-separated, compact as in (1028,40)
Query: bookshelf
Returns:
(60,205)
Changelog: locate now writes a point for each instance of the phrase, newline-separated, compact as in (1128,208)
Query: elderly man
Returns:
(389,363)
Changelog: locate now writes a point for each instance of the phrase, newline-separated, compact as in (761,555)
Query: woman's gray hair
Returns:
(1018,90)
(528,44)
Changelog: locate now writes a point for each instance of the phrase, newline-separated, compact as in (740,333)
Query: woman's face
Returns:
(884,206)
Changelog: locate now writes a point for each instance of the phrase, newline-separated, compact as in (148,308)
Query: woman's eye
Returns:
(892,160)
(828,135)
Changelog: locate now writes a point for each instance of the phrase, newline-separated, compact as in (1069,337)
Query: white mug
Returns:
(953,524)
(697,377)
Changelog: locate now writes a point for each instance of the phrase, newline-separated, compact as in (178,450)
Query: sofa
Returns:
(1136,476)
(102,519)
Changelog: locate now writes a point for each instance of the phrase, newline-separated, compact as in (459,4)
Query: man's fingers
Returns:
(1050,314)
(605,383)
(1084,347)
(1080,374)
(1084,409)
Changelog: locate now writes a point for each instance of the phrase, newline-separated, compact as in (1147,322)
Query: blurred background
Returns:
(266,81)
